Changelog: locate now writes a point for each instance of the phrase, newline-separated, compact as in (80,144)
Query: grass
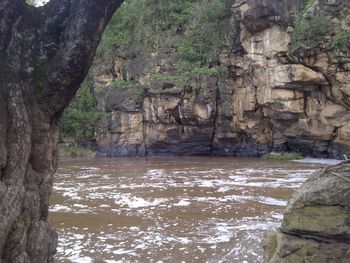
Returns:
(283,156)
(309,32)
(342,41)
(135,90)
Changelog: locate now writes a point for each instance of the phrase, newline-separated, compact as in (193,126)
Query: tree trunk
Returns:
(45,54)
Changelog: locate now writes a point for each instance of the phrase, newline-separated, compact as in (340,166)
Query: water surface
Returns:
(170,209)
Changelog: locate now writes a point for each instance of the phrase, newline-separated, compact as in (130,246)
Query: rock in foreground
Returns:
(316,223)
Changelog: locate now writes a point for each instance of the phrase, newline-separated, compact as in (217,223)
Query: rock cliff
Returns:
(270,88)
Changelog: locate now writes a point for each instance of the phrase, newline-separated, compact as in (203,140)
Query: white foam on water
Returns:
(149,197)
(318,161)
(80,206)
(156,173)
(207,183)
(75,259)
(224,189)
(272,201)
(137,202)
(60,208)
(73,195)
(182,203)
(122,251)
(88,168)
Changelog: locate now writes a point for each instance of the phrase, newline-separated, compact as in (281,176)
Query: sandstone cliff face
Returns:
(265,98)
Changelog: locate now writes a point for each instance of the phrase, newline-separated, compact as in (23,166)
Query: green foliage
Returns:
(205,38)
(209,32)
(118,34)
(191,54)
(136,91)
(140,24)
(197,29)
(310,31)
(206,71)
(80,116)
(341,42)
(186,77)
(308,4)
(283,156)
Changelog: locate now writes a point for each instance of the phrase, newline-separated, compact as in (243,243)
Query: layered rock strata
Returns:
(271,98)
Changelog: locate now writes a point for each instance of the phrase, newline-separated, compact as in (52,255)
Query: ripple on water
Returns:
(192,209)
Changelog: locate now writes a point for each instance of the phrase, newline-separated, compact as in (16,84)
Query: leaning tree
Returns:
(45,54)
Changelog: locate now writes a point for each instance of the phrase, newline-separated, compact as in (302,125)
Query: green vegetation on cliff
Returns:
(197,28)
(79,118)
(191,33)
(313,28)
(136,91)
(342,42)
(195,31)
(310,31)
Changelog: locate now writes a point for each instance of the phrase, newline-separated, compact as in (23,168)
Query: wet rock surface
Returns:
(288,248)
(315,224)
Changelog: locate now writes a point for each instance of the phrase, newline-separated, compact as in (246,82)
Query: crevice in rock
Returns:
(215,117)
(326,239)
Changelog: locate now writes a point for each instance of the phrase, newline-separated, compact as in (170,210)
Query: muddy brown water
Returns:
(170,209)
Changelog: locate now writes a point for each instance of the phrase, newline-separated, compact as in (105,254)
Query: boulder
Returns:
(316,222)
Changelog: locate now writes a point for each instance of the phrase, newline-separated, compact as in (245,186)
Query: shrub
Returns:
(195,28)
(341,42)
(136,91)
(79,118)
(309,31)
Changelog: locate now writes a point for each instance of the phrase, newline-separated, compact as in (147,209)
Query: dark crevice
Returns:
(215,117)
(326,239)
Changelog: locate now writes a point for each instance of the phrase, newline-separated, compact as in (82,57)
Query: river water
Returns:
(170,209)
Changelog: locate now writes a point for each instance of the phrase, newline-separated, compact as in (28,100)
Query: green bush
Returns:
(140,24)
(341,42)
(196,29)
(309,31)
(136,91)
(308,4)
(79,118)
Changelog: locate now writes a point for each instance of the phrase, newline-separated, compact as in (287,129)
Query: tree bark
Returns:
(45,54)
